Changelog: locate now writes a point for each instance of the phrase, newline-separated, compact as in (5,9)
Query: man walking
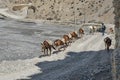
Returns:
(103,29)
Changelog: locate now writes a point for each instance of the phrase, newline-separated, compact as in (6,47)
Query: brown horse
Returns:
(107,41)
(67,39)
(46,45)
(59,43)
(81,32)
(74,35)
(111,30)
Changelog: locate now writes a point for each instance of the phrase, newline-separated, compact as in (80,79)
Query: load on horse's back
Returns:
(67,39)
(91,29)
(74,35)
(59,43)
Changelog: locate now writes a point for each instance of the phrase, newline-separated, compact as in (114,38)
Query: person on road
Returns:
(103,29)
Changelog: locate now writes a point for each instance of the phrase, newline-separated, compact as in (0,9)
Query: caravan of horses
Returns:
(60,44)
(66,40)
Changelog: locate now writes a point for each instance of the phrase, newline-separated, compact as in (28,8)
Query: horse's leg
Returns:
(108,48)
(81,35)
(92,32)
(58,48)
(105,45)
(73,39)
(44,51)
(47,51)
(66,44)
(50,50)
(69,43)
(64,47)
(53,47)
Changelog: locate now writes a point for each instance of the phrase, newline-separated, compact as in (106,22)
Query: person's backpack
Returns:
(103,27)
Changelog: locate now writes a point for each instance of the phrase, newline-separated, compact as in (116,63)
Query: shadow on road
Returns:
(87,65)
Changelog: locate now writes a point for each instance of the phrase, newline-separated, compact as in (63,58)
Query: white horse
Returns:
(92,29)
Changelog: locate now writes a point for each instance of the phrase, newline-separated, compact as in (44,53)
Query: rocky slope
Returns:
(116,66)
(68,10)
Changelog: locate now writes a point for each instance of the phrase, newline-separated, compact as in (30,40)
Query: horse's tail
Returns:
(53,47)
(108,49)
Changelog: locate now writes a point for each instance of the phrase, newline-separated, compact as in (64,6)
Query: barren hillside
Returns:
(67,10)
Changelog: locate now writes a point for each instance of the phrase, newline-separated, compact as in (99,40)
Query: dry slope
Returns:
(65,10)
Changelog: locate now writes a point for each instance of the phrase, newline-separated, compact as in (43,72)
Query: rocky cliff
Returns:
(68,10)
(116,66)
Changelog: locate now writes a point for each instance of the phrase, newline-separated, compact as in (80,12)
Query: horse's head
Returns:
(81,31)
(44,45)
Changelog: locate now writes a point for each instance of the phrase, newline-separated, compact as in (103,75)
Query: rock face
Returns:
(116,60)
(68,10)
(117,22)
